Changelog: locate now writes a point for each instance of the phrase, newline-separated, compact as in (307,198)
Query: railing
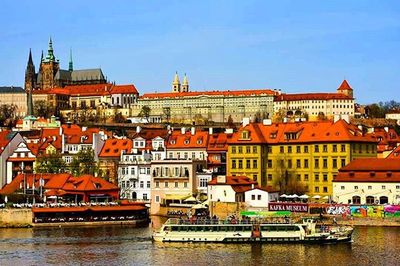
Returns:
(176,221)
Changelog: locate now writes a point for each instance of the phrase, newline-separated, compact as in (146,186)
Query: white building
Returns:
(260,197)
(9,141)
(368,181)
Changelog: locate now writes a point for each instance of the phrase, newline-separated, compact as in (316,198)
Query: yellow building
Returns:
(297,157)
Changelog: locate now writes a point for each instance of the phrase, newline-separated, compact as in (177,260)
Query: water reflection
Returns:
(124,245)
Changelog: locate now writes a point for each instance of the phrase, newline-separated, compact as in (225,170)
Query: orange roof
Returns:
(5,137)
(345,86)
(370,170)
(234,181)
(177,140)
(310,96)
(395,154)
(208,93)
(114,147)
(60,182)
(124,89)
(218,142)
(304,132)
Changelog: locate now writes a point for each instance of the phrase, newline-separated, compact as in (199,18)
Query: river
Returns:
(116,245)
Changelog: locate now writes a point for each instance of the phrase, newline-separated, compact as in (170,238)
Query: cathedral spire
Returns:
(50,51)
(71,64)
(185,84)
(176,84)
(30,61)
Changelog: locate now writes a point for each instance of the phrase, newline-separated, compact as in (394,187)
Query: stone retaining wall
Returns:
(15,217)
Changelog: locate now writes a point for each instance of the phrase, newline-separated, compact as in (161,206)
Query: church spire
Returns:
(50,51)
(176,84)
(30,61)
(71,64)
(185,84)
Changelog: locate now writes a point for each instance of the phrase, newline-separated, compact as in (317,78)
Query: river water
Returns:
(116,245)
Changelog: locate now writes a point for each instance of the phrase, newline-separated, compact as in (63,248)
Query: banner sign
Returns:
(284,206)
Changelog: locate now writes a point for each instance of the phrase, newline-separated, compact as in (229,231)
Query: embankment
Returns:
(15,217)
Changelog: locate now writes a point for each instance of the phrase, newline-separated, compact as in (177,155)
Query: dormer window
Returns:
(172,141)
(186,142)
(245,134)
(199,141)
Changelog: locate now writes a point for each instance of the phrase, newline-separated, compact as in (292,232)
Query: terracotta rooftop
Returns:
(311,96)
(344,86)
(226,93)
(114,147)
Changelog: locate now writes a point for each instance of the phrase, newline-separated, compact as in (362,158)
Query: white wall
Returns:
(222,193)
(344,191)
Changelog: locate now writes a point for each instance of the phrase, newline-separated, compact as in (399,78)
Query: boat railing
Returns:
(178,221)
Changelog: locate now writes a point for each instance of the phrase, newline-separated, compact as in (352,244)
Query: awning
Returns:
(190,199)
(176,196)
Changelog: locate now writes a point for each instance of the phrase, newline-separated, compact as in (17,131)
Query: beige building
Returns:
(183,106)
(16,96)
(173,181)
(316,105)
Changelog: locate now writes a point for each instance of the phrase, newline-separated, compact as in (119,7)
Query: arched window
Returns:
(383,200)
(369,200)
(356,200)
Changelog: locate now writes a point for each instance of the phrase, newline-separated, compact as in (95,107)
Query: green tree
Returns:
(7,114)
(119,118)
(145,112)
(167,113)
(84,163)
(287,181)
(42,108)
(376,110)
(50,163)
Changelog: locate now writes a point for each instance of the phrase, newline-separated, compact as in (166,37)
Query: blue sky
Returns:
(293,45)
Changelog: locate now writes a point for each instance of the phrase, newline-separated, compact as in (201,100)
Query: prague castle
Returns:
(50,74)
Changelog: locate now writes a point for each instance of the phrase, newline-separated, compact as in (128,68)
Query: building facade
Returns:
(14,96)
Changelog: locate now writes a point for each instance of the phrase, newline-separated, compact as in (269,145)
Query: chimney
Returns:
(285,120)
(360,127)
(210,131)
(267,122)
(245,121)
(386,129)
(221,179)
(183,131)
(138,129)
(84,129)
(193,130)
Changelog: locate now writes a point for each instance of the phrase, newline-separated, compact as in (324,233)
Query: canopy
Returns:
(317,197)
(283,196)
(190,199)
(304,196)
(176,196)
(295,196)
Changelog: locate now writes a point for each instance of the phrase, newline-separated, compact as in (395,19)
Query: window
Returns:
(269,164)
(325,178)
(343,162)
(269,177)
(240,164)
(166,184)
(148,184)
(316,189)
(141,184)
(383,187)
(316,177)
(316,163)
(157,199)
(305,163)
(185,155)
(254,177)
(258,197)
(325,163)
(247,149)
(185,184)
(240,149)
(269,149)
(132,171)
(334,163)
(369,187)
(325,189)
(144,196)
(298,163)
(343,148)
(289,149)
(233,164)
(176,184)
(157,183)
(298,149)
(334,148)
(233,149)
(397,187)
(316,148)
(247,164)
(325,148)
(289,163)
(298,177)
(305,149)
(253,197)
(281,149)
(254,149)
(306,177)
(355,187)
(255,164)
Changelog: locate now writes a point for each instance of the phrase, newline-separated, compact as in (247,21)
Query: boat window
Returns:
(232,228)
(167,228)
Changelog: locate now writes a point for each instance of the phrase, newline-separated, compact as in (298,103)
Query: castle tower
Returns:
(48,68)
(71,64)
(185,84)
(30,75)
(176,84)
(345,89)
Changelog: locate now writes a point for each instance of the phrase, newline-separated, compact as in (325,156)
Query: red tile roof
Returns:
(177,140)
(208,93)
(305,132)
(345,86)
(218,142)
(395,154)
(114,147)
(234,181)
(311,96)
(370,170)
(5,137)
(91,90)
(124,89)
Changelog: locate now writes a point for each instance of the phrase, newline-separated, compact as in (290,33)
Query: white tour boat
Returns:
(178,230)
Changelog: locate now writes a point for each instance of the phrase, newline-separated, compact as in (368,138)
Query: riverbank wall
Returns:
(15,217)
